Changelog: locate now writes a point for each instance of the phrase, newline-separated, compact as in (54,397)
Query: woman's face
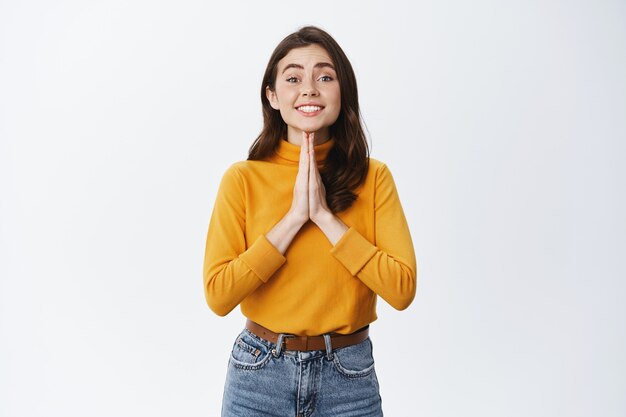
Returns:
(306,93)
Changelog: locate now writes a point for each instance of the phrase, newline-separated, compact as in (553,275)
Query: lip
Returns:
(310,103)
(310,114)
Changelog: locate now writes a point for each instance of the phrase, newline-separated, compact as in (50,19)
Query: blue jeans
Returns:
(263,379)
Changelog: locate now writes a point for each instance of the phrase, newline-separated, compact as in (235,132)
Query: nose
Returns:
(308,89)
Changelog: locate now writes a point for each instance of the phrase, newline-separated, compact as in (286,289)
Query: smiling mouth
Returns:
(309,109)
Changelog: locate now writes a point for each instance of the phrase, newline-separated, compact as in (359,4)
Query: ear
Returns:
(272,98)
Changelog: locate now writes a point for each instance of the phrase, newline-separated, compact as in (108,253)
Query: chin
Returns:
(312,128)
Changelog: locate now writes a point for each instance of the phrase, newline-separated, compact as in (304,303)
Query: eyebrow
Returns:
(318,65)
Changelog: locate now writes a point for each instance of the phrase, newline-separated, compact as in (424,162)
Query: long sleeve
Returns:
(387,266)
(231,271)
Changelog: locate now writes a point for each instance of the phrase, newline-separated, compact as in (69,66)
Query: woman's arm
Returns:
(387,266)
(284,231)
(231,271)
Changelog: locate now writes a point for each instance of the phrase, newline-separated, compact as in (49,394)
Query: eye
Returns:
(290,78)
(327,76)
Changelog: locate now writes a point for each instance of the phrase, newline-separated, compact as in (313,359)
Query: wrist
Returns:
(332,226)
(295,219)
(323,219)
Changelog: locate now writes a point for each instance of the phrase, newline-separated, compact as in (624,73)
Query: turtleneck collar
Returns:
(288,153)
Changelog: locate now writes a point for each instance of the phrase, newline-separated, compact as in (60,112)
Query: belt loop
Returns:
(329,347)
(279,344)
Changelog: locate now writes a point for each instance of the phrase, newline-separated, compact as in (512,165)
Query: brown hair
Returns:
(347,163)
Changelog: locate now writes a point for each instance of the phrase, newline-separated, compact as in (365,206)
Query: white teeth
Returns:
(309,109)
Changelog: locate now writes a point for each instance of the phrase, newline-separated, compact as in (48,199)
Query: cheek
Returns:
(337,95)
(282,94)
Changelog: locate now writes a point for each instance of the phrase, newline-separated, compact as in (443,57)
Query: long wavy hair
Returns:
(347,163)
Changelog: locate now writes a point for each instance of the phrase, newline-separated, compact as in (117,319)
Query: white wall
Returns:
(503,123)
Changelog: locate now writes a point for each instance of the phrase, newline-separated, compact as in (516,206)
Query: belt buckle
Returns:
(284,343)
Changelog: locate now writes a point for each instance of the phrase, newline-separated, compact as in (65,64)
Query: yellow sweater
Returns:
(315,287)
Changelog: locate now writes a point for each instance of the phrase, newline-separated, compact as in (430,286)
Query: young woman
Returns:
(304,235)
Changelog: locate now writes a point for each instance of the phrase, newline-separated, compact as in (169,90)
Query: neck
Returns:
(294,136)
(287,153)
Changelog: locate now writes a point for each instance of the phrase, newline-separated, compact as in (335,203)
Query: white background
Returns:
(503,123)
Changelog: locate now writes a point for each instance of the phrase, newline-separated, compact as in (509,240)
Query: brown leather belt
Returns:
(294,342)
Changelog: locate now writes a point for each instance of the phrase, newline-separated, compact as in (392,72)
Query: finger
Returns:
(304,155)
(306,142)
(313,183)
(312,157)
(311,170)
(303,143)
(313,166)
(315,177)
(312,141)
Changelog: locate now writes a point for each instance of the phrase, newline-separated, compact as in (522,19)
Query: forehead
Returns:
(306,55)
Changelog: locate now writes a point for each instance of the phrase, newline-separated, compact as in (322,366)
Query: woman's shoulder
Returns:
(244,167)
(376,166)
(242,164)
(381,173)
(375,163)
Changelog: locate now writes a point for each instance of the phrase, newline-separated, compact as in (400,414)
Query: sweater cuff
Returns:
(263,258)
(353,250)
